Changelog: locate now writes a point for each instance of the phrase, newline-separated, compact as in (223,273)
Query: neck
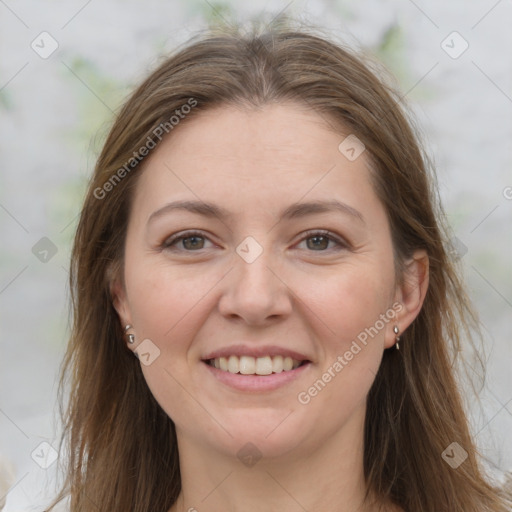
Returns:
(327,477)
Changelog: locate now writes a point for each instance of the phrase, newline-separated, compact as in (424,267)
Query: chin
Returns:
(261,433)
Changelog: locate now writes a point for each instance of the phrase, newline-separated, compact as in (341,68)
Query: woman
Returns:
(262,233)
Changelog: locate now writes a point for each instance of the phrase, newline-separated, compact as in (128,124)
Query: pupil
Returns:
(316,246)
(193,245)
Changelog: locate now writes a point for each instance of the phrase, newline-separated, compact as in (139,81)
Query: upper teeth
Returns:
(247,365)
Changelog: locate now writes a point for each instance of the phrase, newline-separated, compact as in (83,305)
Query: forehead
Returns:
(249,158)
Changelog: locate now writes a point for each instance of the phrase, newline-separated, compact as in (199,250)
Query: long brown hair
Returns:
(122,449)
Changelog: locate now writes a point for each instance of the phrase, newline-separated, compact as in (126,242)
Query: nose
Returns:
(255,292)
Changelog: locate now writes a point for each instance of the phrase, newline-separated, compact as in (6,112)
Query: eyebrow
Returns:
(294,211)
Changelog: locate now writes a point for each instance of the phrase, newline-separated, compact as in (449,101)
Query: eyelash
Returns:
(169,242)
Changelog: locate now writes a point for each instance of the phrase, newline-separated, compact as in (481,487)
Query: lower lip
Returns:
(257,383)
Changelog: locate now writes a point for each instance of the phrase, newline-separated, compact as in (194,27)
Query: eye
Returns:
(320,241)
(191,240)
(195,241)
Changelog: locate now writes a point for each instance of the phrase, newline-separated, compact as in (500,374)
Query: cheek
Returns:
(165,299)
(350,301)
(351,304)
(166,307)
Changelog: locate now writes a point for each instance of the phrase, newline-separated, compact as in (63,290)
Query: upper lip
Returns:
(259,351)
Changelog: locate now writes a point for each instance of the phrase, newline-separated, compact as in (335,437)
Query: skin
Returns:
(190,301)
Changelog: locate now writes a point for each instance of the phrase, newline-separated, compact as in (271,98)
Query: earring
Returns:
(131,337)
(397,338)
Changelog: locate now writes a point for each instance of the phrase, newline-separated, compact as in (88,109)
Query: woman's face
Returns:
(253,278)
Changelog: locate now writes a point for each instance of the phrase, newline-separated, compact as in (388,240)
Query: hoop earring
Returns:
(397,338)
(131,337)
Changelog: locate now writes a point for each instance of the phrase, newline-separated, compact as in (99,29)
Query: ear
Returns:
(119,298)
(410,293)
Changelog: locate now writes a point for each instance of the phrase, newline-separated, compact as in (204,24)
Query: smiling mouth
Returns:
(247,365)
